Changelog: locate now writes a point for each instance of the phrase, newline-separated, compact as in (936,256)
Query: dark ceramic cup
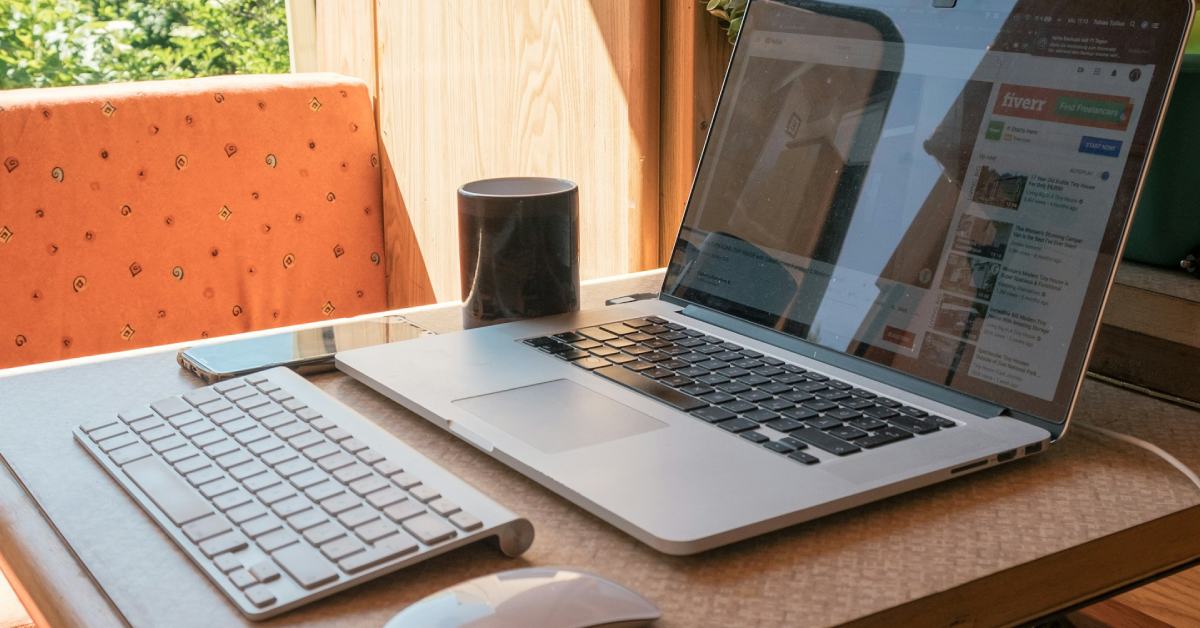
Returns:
(518,244)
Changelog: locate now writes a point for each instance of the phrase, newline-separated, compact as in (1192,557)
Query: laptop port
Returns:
(1006,455)
(1033,449)
(968,467)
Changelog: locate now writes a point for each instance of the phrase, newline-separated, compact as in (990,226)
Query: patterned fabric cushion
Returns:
(146,213)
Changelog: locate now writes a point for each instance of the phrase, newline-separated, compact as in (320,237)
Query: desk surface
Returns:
(1001,546)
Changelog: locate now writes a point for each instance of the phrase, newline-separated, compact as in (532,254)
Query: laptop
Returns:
(890,273)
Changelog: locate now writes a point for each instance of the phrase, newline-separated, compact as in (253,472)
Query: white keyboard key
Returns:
(112,429)
(128,453)
(167,490)
(390,547)
(260,596)
(92,426)
(231,500)
(357,516)
(206,528)
(369,484)
(403,510)
(228,542)
(257,483)
(116,442)
(276,493)
(428,528)
(293,467)
(227,563)
(252,435)
(166,444)
(305,565)
(191,464)
(232,459)
(424,493)
(386,497)
(340,503)
(345,475)
(290,506)
(204,476)
(170,407)
(312,477)
(388,468)
(241,578)
(336,461)
(353,445)
(323,533)
(201,396)
(245,512)
(155,433)
(272,541)
(259,526)
(324,490)
(375,530)
(247,470)
(148,423)
(341,548)
(306,519)
(261,447)
(265,571)
(465,520)
(443,506)
(406,480)
(217,488)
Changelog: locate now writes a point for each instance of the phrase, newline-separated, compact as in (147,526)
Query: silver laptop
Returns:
(890,273)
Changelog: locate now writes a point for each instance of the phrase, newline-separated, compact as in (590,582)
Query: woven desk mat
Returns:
(833,570)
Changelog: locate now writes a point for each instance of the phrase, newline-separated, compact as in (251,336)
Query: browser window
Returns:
(940,196)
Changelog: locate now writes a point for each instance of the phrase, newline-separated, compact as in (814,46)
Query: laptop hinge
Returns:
(858,366)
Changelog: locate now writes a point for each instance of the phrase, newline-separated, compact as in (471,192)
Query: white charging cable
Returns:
(1148,446)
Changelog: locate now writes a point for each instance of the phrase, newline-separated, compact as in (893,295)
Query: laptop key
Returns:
(867,424)
(911,411)
(755,437)
(879,412)
(821,440)
(800,456)
(779,447)
(597,333)
(761,416)
(717,397)
(880,438)
(819,405)
(941,422)
(737,425)
(914,425)
(661,392)
(843,414)
(573,354)
(592,363)
(846,432)
(713,414)
(800,414)
(785,425)
(754,396)
(777,405)
(823,423)
(739,406)
(677,381)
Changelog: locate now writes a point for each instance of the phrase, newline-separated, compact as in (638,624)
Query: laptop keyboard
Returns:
(783,407)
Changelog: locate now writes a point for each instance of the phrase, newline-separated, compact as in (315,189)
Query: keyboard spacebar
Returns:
(647,386)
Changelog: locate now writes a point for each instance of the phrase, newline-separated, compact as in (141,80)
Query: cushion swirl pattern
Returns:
(146,213)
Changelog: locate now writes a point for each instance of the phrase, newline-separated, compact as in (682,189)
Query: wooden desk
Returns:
(1002,546)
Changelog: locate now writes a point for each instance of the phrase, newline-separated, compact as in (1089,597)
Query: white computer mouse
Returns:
(549,597)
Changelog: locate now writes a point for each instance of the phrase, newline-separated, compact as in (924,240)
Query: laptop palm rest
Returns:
(559,415)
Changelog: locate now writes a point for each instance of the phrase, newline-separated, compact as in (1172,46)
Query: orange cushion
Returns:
(147,213)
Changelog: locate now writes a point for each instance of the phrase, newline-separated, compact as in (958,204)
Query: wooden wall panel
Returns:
(695,53)
(567,88)
(345,38)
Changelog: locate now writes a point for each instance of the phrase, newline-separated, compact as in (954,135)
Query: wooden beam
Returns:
(695,53)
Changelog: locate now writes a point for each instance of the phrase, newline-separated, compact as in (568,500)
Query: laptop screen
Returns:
(942,191)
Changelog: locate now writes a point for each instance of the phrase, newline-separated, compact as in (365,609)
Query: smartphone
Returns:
(305,351)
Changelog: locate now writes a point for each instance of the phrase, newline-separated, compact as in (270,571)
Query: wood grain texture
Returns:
(345,39)
(1174,600)
(564,88)
(695,53)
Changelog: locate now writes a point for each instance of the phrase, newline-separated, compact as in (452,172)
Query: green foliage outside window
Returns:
(47,43)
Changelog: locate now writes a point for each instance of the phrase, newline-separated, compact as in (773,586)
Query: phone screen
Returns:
(298,347)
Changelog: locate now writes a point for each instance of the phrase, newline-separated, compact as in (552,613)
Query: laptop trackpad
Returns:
(559,415)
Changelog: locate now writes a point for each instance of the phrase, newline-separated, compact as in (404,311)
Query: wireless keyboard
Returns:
(281,495)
